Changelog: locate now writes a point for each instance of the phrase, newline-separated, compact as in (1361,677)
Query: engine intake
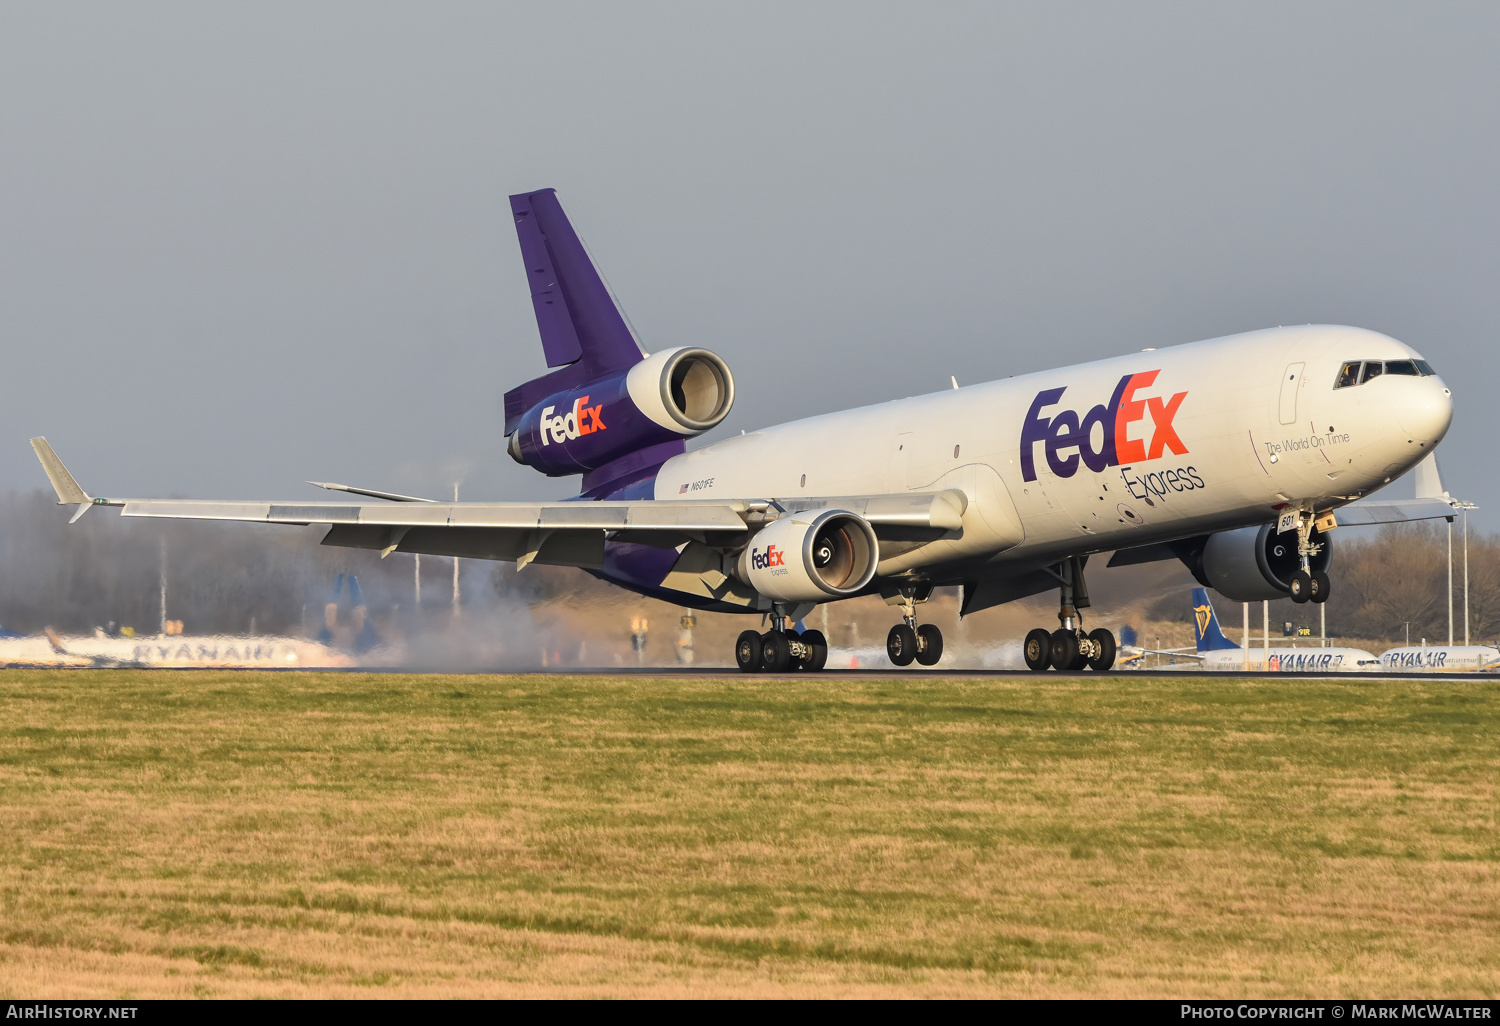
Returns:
(1255,563)
(811,556)
(677,393)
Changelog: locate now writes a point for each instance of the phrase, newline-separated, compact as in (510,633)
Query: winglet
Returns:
(68,491)
(1429,482)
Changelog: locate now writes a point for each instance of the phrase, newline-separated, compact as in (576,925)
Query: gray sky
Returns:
(242,246)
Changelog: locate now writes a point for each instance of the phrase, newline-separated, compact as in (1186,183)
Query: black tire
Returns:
(747,651)
(901,645)
(1104,646)
(1301,586)
(1065,651)
(819,645)
(1321,587)
(929,644)
(1037,649)
(775,652)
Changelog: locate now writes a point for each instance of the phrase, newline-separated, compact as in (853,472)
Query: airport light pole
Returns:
(163,549)
(1465,507)
(1247,636)
(1450,582)
(1265,633)
(455,564)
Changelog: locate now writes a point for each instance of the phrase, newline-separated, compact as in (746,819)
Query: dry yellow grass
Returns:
(182,834)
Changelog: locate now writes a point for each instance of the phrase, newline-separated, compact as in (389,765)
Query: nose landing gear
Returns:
(1307,584)
(907,641)
(1068,648)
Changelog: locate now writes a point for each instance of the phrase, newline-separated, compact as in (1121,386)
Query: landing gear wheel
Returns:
(1037,649)
(1104,649)
(1301,586)
(793,661)
(1321,587)
(1065,652)
(775,652)
(747,651)
(901,645)
(929,644)
(819,645)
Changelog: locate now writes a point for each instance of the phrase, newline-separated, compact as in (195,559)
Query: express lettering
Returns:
(582,419)
(765,560)
(1067,439)
(1158,483)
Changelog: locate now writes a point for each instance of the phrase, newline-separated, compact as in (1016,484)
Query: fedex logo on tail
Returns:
(582,419)
(1068,439)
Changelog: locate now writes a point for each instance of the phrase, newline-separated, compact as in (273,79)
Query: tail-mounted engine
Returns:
(811,556)
(677,393)
(1255,562)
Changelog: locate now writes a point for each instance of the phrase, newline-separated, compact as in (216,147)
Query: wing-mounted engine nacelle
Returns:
(1256,563)
(677,393)
(811,556)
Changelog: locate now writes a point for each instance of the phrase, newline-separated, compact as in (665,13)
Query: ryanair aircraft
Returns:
(1216,652)
(1236,456)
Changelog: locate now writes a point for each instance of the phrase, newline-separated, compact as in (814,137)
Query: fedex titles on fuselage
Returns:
(1068,439)
(582,419)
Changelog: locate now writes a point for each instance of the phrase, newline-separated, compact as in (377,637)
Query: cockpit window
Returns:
(1357,372)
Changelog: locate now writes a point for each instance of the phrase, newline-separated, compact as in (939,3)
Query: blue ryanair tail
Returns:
(1206,630)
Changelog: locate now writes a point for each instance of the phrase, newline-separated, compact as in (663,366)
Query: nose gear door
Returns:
(1291,381)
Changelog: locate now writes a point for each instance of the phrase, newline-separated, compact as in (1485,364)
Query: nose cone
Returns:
(1424,409)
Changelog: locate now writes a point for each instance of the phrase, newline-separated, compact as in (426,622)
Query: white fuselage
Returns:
(1292,660)
(1223,435)
(1427,658)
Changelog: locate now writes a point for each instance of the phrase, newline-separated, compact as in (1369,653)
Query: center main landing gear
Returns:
(1068,648)
(907,641)
(1307,584)
(779,649)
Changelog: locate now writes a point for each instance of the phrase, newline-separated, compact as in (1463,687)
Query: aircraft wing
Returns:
(1393,511)
(558,533)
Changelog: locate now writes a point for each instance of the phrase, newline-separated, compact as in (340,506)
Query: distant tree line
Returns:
(1384,580)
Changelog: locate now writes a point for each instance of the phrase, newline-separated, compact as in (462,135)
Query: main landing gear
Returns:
(907,641)
(780,649)
(1068,648)
(1307,584)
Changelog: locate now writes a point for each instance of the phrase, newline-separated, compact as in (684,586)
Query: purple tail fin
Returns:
(583,331)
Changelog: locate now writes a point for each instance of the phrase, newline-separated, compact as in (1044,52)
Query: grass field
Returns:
(179,834)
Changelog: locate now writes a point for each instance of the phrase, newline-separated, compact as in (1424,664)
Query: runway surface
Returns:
(863,673)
